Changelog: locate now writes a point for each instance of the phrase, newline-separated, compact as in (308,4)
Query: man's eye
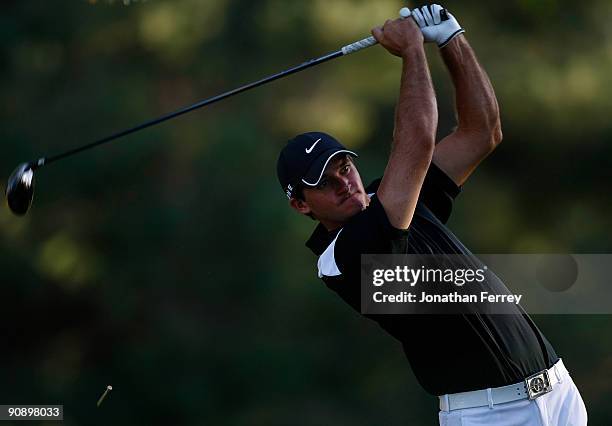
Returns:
(345,169)
(322,184)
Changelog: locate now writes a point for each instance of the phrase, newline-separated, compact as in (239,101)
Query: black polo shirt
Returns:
(448,353)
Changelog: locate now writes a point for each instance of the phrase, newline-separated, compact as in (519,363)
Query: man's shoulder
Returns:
(321,238)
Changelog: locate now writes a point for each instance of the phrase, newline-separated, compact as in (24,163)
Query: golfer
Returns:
(485,369)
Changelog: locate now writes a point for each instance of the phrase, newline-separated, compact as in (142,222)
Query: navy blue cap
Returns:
(303,160)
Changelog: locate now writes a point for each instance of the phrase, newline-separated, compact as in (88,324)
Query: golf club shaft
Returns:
(346,50)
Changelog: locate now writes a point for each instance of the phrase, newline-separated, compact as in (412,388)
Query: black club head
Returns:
(20,189)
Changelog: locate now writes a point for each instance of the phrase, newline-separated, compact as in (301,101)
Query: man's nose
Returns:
(342,185)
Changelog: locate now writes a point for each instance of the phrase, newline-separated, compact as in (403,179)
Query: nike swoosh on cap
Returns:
(309,150)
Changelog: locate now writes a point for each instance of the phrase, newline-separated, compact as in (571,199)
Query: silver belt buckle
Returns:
(538,384)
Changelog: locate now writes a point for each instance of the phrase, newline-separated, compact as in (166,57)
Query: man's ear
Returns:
(300,206)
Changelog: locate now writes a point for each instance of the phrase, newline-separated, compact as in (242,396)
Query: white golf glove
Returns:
(434,27)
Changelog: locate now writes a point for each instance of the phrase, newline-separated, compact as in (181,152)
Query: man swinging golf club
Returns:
(486,369)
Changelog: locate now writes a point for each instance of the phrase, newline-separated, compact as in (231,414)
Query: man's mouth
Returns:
(347,197)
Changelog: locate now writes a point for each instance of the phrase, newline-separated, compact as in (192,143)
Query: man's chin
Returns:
(355,203)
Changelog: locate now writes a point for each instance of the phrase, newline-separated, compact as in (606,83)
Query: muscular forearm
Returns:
(416,115)
(476,104)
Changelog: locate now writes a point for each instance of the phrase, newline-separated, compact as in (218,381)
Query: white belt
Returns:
(531,388)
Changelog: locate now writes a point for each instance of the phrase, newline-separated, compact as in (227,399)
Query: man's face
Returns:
(339,195)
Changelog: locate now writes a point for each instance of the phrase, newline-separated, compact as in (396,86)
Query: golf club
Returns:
(20,186)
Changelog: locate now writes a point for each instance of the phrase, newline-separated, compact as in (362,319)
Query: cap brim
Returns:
(315,173)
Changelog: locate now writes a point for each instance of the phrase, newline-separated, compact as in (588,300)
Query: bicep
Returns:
(401,184)
(461,152)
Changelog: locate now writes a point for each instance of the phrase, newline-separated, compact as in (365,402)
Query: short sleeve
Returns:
(438,193)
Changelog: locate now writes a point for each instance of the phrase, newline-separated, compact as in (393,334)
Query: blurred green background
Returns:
(169,266)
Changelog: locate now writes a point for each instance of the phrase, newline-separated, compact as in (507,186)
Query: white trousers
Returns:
(561,407)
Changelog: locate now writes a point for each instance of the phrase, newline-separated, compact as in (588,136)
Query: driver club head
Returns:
(20,189)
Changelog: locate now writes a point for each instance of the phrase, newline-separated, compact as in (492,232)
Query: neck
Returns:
(331,225)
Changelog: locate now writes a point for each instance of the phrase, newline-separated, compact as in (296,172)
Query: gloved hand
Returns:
(437,24)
